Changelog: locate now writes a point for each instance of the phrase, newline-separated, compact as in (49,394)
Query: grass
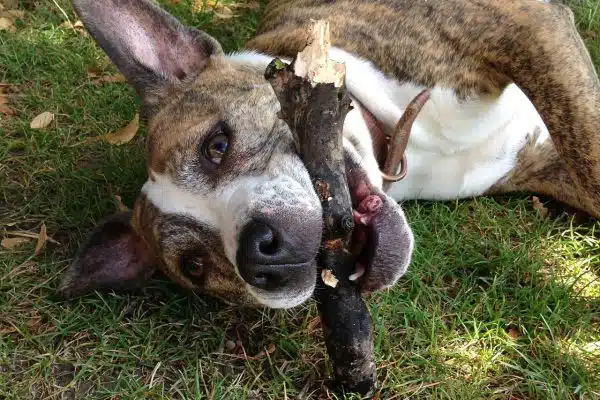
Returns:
(500,302)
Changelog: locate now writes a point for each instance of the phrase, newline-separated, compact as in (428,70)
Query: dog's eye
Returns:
(192,265)
(215,146)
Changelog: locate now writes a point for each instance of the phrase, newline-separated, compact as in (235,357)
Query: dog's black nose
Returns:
(272,259)
(261,244)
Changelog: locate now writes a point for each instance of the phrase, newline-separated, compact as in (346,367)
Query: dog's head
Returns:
(228,208)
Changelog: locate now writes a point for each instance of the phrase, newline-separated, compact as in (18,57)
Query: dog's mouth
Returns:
(381,241)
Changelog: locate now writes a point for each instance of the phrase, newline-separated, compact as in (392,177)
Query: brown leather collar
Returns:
(390,149)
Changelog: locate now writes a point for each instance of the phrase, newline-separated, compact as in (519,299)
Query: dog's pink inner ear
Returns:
(148,45)
(172,53)
(114,258)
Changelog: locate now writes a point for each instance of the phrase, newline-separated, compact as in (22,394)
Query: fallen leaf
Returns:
(16,13)
(117,78)
(100,79)
(6,24)
(513,332)
(93,72)
(78,25)
(224,15)
(120,205)
(329,278)
(270,348)
(6,110)
(539,206)
(30,235)
(314,324)
(34,324)
(42,120)
(13,243)
(125,134)
(221,9)
(590,34)
(41,239)
(10,329)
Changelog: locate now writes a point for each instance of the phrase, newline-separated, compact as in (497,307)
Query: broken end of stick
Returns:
(313,62)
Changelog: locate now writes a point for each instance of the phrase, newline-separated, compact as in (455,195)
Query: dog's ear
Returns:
(148,45)
(113,258)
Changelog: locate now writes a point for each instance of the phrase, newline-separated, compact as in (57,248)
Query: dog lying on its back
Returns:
(229,209)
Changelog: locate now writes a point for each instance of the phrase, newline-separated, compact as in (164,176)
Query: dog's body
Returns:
(514,107)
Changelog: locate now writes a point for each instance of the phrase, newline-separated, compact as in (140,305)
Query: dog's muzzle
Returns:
(278,255)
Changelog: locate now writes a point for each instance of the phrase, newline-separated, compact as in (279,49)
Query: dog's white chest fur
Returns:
(456,149)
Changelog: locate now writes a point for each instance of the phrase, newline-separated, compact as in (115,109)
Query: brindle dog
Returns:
(228,208)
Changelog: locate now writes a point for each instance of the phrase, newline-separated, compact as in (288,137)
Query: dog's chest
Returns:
(457,148)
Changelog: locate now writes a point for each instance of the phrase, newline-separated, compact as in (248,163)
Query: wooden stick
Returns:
(314,103)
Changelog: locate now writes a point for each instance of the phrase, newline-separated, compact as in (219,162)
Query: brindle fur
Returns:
(475,47)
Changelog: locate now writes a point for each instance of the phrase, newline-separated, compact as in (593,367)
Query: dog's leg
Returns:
(541,170)
(567,167)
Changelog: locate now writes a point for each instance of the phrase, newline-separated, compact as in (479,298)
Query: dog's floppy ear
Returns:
(148,45)
(113,258)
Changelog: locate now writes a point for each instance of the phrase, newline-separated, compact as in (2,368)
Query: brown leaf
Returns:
(590,34)
(10,329)
(30,235)
(224,15)
(6,24)
(41,239)
(513,332)
(120,205)
(13,243)
(539,206)
(98,80)
(42,120)
(125,134)
(77,26)
(221,9)
(117,78)
(93,72)
(329,278)
(269,350)
(314,324)
(34,324)
(17,13)
(223,12)
(6,110)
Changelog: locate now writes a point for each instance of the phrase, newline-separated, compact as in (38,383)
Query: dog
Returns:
(228,209)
